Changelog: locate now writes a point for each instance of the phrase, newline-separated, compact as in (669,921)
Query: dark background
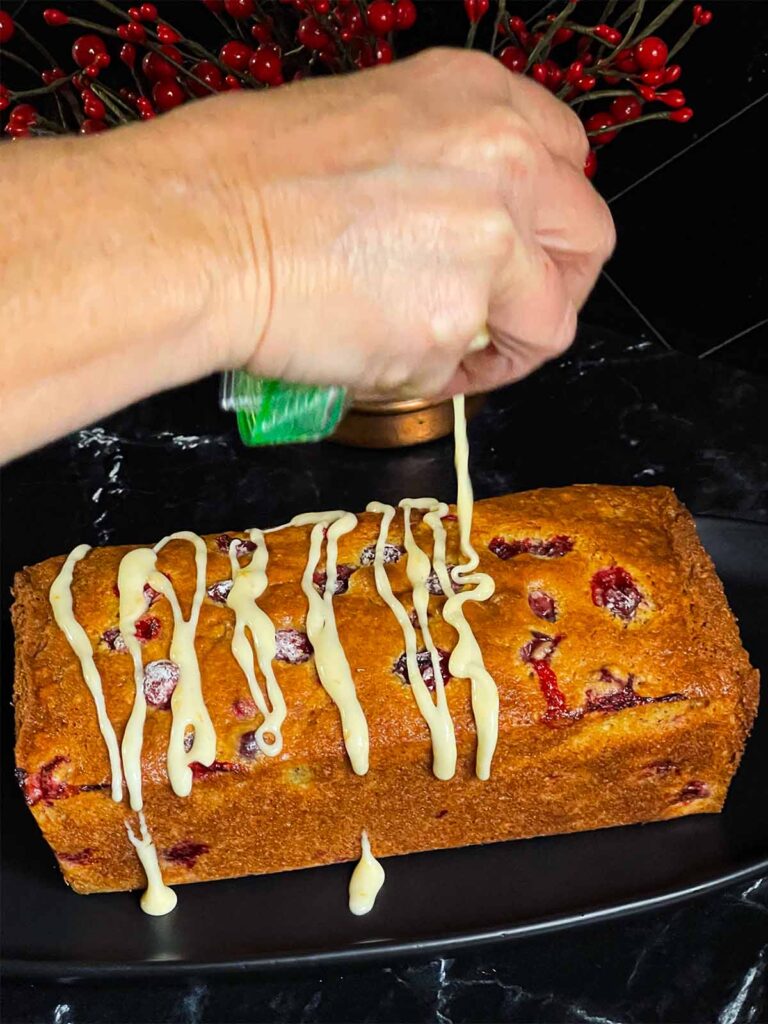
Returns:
(666,384)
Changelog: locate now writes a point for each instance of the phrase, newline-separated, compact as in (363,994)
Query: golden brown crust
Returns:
(599,765)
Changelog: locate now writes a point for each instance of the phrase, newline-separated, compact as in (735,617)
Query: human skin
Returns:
(358,230)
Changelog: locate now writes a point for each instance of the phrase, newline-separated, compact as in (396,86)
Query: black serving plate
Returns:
(432,900)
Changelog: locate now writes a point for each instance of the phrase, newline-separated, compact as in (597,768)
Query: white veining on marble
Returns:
(731,1014)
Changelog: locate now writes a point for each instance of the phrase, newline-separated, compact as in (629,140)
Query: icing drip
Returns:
(366,881)
(135,569)
(187,703)
(330,659)
(60,596)
(158,898)
(466,658)
(436,714)
(249,584)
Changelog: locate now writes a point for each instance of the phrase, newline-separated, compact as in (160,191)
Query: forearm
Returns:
(106,291)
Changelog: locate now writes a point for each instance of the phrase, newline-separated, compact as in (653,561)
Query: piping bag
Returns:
(278,412)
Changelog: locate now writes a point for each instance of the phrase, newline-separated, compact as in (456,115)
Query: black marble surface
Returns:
(642,398)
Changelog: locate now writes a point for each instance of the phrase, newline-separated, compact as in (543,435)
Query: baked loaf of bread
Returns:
(624,694)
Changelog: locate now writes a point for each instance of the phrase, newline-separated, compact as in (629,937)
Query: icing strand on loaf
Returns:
(466,659)
(187,704)
(366,881)
(60,596)
(330,660)
(135,570)
(436,714)
(248,585)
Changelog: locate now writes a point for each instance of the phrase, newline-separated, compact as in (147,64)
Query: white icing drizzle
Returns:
(187,702)
(466,659)
(60,596)
(135,569)
(366,881)
(435,713)
(330,660)
(249,583)
(158,898)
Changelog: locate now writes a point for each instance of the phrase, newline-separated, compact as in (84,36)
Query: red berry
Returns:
(134,14)
(626,108)
(52,75)
(128,54)
(157,68)
(681,116)
(240,8)
(101,61)
(52,16)
(232,82)
(7,28)
(216,6)
(160,680)
(133,32)
(261,32)
(476,9)
(321,6)
(86,48)
(653,77)
(145,108)
(93,106)
(672,73)
(148,12)
(590,164)
(210,74)
(574,72)
(5,97)
(383,53)
(586,83)
(647,92)
(651,53)
(381,17)
(625,61)
(700,16)
(311,34)
(266,65)
(671,98)
(608,34)
(92,125)
(594,123)
(539,74)
(405,14)
(235,55)
(563,35)
(166,34)
(554,75)
(514,58)
(542,605)
(168,94)
(22,114)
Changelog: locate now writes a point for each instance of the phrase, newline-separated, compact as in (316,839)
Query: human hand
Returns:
(378,221)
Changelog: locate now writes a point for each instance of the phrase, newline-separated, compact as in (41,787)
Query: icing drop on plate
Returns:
(366,881)
(60,596)
(158,899)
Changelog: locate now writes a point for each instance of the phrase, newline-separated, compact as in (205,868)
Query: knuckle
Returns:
(606,241)
(575,134)
(505,136)
(563,338)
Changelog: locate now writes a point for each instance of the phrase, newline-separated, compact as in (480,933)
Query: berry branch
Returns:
(139,64)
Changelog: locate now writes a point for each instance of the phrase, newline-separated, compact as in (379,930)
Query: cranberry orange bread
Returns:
(624,694)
